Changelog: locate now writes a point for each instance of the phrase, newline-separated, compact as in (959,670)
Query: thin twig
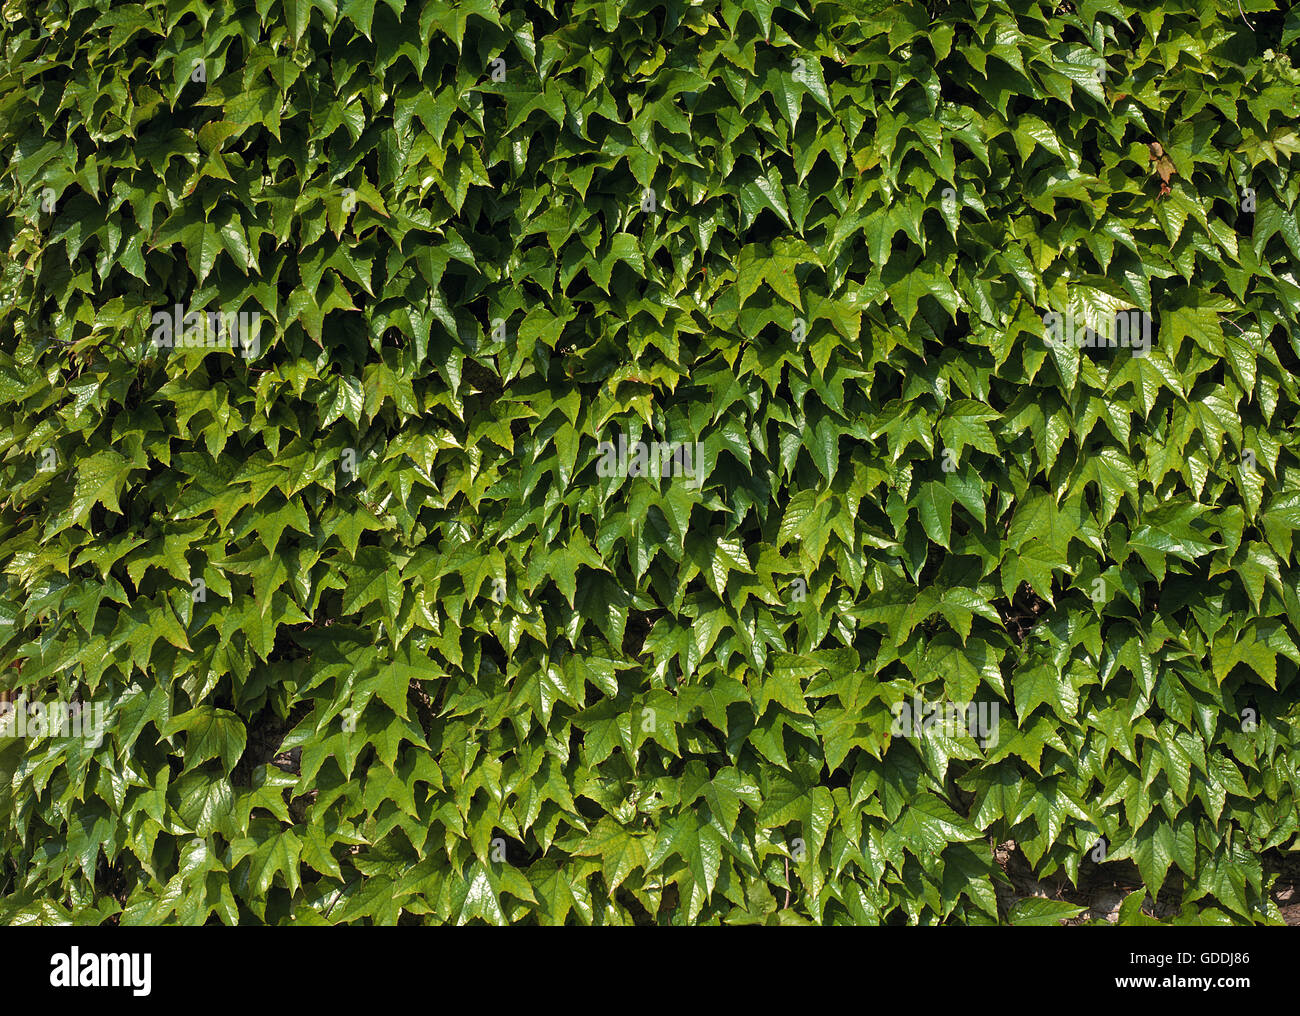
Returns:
(339,894)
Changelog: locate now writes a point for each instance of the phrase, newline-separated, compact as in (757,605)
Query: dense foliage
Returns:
(517,460)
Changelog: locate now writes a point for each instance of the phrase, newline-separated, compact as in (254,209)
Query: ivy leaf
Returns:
(210,733)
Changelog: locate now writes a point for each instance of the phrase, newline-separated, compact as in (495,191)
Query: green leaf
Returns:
(210,733)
